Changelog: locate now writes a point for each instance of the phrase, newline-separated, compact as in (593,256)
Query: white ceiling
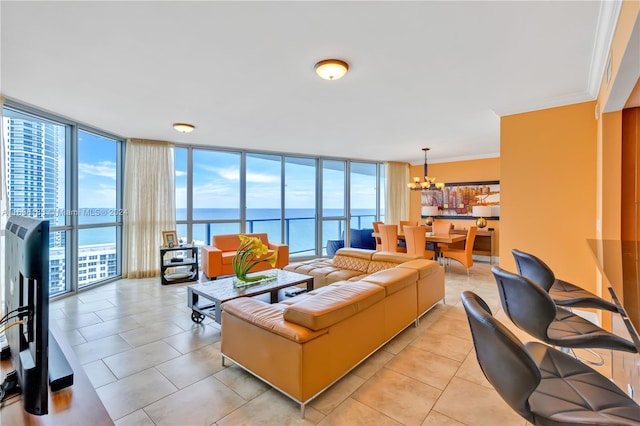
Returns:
(422,74)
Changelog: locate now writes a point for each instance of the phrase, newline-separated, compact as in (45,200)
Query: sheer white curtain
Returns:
(4,201)
(396,193)
(149,199)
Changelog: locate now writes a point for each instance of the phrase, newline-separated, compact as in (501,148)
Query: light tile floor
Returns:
(150,364)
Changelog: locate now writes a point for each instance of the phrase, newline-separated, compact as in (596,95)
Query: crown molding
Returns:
(607,20)
(605,29)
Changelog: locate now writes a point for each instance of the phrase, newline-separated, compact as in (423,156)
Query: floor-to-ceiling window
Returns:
(215,194)
(363,194)
(224,191)
(263,179)
(70,176)
(300,205)
(99,212)
(334,199)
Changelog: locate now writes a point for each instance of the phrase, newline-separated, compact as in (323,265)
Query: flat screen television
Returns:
(27,308)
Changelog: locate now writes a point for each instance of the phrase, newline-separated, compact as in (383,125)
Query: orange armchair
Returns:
(216,258)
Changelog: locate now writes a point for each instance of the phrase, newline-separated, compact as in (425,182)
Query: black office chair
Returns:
(531,308)
(563,293)
(542,384)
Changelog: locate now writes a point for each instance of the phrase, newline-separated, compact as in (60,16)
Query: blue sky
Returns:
(216,182)
(216,179)
(96,171)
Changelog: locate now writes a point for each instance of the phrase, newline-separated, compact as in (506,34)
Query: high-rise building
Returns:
(33,169)
(32,158)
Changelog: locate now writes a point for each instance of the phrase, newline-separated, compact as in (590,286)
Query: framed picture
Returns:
(169,238)
(457,199)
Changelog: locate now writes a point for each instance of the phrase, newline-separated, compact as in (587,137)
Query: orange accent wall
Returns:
(548,189)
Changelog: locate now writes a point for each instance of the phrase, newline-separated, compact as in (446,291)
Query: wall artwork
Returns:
(456,199)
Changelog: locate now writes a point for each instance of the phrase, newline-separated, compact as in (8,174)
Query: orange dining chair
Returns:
(377,231)
(463,256)
(401,226)
(404,223)
(389,238)
(416,241)
(442,227)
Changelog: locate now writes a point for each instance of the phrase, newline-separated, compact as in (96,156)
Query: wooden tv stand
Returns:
(76,405)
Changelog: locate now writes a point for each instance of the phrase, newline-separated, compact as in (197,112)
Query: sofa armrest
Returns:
(283,253)
(211,261)
(268,317)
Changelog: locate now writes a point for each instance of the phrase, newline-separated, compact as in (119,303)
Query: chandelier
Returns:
(418,185)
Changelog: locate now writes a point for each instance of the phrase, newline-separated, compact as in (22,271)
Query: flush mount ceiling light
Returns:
(331,69)
(184,127)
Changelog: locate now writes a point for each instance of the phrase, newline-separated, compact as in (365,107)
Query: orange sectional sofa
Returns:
(304,344)
(216,258)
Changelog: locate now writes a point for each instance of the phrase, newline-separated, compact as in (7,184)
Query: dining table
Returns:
(433,238)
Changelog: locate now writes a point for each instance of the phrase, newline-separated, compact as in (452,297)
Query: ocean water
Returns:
(299,225)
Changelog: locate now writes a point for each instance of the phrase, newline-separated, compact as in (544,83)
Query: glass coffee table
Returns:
(205,299)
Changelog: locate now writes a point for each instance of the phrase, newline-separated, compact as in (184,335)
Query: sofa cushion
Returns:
(337,275)
(375,266)
(356,252)
(423,268)
(353,259)
(393,280)
(352,263)
(270,318)
(386,260)
(332,306)
(308,266)
(302,296)
(394,257)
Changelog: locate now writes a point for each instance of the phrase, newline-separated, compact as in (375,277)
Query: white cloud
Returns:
(262,178)
(233,174)
(99,196)
(215,196)
(103,169)
(180,173)
(229,173)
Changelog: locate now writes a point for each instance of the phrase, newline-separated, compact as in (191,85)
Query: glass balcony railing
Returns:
(299,232)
